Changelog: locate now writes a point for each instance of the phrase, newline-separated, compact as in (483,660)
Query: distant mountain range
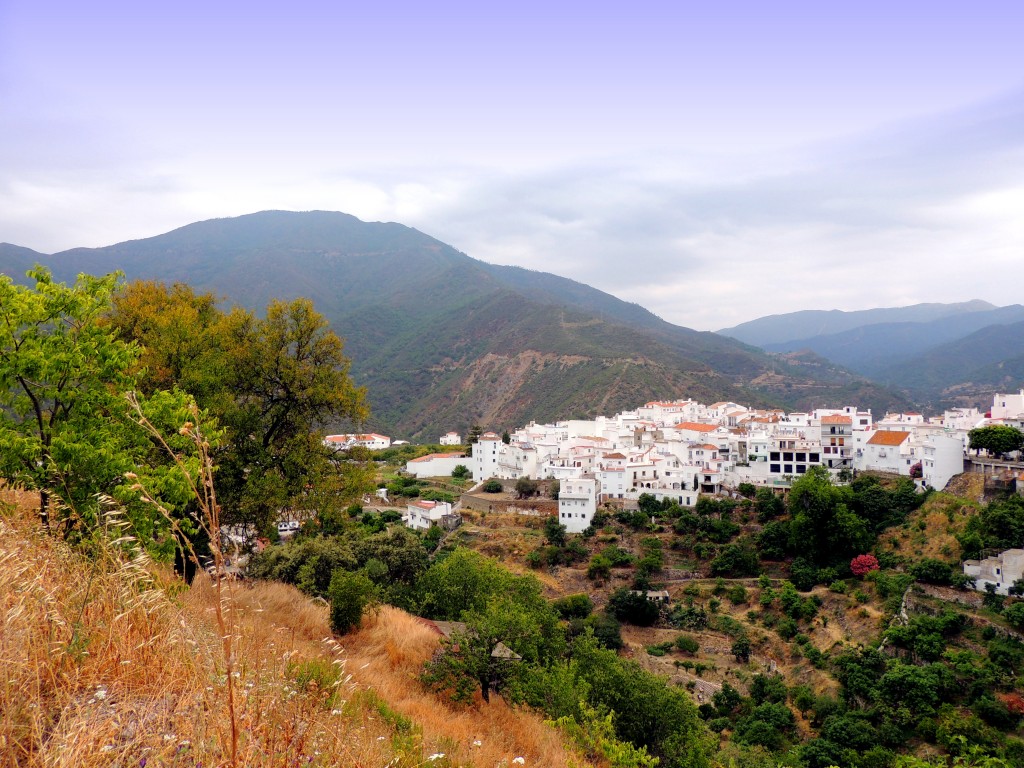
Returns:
(937,354)
(442,341)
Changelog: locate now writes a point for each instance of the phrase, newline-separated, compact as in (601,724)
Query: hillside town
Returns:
(677,450)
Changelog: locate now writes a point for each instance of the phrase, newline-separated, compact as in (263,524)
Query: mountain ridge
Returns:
(427,327)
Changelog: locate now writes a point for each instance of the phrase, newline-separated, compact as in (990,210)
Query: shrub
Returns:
(526,487)
(737,594)
(687,644)
(932,571)
(349,594)
(492,486)
(574,606)
(633,607)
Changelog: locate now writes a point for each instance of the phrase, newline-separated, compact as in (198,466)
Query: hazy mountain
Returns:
(442,340)
(965,371)
(776,329)
(872,349)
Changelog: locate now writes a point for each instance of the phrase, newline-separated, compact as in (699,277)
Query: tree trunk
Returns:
(44,509)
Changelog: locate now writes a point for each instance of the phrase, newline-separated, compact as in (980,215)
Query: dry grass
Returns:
(931,530)
(387,654)
(110,661)
(104,666)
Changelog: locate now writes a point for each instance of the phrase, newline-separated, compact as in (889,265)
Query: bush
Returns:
(687,644)
(607,630)
(349,594)
(632,607)
(460,472)
(574,606)
(526,487)
(932,571)
(737,594)
(492,486)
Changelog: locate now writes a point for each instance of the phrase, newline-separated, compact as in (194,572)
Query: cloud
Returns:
(927,211)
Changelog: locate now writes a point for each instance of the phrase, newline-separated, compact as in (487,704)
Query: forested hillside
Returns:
(442,341)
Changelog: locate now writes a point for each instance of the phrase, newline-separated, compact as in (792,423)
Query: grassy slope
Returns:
(106,665)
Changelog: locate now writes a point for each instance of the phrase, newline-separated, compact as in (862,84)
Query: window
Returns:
(774,468)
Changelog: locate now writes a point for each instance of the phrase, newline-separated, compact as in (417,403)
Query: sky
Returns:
(714,162)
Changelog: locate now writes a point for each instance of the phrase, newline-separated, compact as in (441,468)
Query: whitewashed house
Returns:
(450,438)
(370,440)
(421,515)
(943,458)
(1002,570)
(886,451)
(577,503)
(436,464)
(1008,407)
(485,456)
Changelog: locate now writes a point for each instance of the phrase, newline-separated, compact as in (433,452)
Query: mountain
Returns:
(442,340)
(965,371)
(777,329)
(872,349)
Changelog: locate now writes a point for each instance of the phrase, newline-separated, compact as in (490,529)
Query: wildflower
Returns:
(436,756)
(100,694)
(477,743)
(519,760)
(107,748)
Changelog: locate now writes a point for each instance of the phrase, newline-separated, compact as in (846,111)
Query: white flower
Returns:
(436,756)
(107,748)
(477,743)
(519,760)
(100,694)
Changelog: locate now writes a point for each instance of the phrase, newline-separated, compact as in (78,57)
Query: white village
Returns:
(677,450)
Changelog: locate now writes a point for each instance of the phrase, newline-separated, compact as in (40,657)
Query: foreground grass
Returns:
(110,661)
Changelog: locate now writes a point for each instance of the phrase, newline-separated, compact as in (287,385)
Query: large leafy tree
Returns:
(290,377)
(273,382)
(60,378)
(67,431)
(997,439)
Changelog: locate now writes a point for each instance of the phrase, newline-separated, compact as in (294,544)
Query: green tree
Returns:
(526,487)
(460,472)
(554,531)
(291,378)
(997,439)
(61,375)
(349,594)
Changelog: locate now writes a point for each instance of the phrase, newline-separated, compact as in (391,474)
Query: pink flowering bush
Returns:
(863,564)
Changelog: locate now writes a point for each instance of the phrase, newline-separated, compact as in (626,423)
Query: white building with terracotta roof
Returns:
(421,515)
(837,441)
(370,440)
(886,450)
(450,438)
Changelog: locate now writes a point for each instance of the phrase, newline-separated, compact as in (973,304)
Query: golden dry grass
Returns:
(387,654)
(103,666)
(110,661)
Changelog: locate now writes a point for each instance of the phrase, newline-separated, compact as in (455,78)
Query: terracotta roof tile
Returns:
(888,437)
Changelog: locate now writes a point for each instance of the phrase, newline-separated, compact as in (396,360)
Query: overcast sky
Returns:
(714,162)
